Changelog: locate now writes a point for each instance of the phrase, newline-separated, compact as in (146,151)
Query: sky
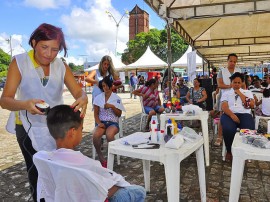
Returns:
(89,32)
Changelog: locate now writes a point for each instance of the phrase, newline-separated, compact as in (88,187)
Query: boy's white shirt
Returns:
(114,100)
(105,177)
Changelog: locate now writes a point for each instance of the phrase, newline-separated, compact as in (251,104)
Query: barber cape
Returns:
(114,100)
(104,177)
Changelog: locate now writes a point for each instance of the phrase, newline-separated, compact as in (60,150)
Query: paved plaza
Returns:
(14,185)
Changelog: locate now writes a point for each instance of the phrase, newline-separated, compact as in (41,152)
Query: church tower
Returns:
(138,22)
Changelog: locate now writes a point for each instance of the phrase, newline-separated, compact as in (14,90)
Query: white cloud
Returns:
(93,27)
(47,4)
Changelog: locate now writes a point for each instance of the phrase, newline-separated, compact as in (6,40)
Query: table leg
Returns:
(201,173)
(110,160)
(172,173)
(238,166)
(146,173)
(206,140)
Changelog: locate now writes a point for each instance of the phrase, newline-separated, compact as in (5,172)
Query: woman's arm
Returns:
(96,116)
(222,85)
(187,98)
(8,100)
(116,111)
(225,108)
(204,94)
(91,78)
(243,99)
(76,91)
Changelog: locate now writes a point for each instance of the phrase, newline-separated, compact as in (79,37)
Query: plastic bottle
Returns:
(154,131)
(161,137)
(170,126)
(175,130)
(179,126)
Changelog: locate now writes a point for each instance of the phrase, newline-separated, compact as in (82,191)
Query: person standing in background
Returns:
(133,81)
(224,83)
(38,76)
(105,68)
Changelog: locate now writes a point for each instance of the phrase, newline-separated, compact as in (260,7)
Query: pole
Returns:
(117,26)
(169,59)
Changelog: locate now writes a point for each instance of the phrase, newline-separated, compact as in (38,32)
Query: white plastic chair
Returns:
(143,114)
(257,119)
(63,183)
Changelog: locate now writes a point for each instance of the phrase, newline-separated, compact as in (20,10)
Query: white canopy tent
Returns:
(116,62)
(220,27)
(183,61)
(148,61)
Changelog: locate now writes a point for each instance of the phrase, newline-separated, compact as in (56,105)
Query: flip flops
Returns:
(218,142)
(104,164)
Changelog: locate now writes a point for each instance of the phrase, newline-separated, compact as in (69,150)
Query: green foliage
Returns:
(4,62)
(157,40)
(75,68)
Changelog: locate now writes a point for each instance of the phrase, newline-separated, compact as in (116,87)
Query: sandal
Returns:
(218,142)
(104,164)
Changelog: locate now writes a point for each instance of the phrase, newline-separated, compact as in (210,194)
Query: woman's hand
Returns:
(81,103)
(107,106)
(31,106)
(235,118)
(101,125)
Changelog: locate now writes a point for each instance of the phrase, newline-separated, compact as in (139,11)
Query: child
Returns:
(66,126)
(263,106)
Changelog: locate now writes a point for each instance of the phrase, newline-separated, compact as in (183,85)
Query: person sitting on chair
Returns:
(236,105)
(108,108)
(65,126)
(197,95)
(151,99)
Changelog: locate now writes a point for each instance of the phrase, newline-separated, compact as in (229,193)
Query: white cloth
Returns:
(266,106)
(114,99)
(187,109)
(31,87)
(76,177)
(235,104)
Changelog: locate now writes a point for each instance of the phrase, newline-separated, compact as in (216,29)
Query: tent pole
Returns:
(169,59)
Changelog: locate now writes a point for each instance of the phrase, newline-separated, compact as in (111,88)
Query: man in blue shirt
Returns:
(183,89)
(133,81)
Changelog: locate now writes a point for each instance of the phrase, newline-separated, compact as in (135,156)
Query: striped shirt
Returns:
(152,96)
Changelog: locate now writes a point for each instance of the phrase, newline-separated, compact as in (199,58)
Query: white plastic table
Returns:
(203,117)
(171,159)
(242,152)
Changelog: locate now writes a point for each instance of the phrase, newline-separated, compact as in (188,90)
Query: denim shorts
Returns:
(132,193)
(148,109)
(109,123)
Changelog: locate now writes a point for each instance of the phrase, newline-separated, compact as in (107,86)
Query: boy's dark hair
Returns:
(237,74)
(108,80)
(266,92)
(232,54)
(61,118)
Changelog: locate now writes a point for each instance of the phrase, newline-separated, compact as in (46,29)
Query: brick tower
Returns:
(138,22)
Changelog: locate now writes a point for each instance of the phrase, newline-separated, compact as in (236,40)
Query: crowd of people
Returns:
(38,77)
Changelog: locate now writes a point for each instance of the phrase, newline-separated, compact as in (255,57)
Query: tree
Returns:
(157,40)
(4,62)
